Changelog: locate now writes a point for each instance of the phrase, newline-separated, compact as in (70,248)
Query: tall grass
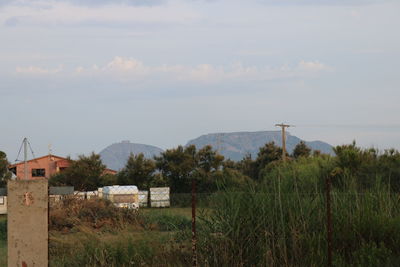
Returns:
(282,222)
(123,250)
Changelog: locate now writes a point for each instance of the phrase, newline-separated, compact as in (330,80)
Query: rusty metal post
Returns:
(329,220)
(194,240)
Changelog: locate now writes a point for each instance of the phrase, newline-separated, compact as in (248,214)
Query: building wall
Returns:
(51,165)
(48,163)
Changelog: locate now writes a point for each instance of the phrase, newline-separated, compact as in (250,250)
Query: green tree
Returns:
(348,157)
(209,160)
(180,165)
(138,171)
(177,165)
(5,174)
(389,168)
(84,174)
(267,154)
(209,169)
(108,179)
(301,150)
(248,166)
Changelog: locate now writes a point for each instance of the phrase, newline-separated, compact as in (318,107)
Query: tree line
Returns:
(176,168)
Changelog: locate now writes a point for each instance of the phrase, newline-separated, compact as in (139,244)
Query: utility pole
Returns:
(25,141)
(283,126)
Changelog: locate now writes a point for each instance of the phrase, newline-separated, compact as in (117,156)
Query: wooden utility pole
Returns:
(283,126)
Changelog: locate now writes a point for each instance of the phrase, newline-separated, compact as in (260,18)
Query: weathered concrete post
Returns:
(27,223)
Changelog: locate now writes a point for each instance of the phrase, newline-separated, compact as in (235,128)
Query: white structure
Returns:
(100,192)
(86,195)
(3,205)
(124,196)
(159,197)
(143,198)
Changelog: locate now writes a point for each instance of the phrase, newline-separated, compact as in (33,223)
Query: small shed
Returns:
(58,193)
(143,198)
(159,197)
(3,200)
(124,196)
(3,205)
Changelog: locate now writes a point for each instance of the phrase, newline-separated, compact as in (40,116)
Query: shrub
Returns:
(166,222)
(97,213)
(3,230)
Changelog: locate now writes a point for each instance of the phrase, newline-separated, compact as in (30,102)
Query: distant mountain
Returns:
(116,155)
(236,145)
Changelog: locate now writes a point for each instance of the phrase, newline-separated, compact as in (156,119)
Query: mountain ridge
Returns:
(233,145)
(116,155)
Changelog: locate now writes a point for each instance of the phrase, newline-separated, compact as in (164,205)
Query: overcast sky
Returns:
(83,74)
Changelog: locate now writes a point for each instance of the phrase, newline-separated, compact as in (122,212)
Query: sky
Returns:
(83,74)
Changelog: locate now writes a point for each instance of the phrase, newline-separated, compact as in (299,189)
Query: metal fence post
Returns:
(329,219)
(194,240)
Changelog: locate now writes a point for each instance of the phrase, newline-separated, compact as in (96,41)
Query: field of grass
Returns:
(186,212)
(154,238)
(3,253)
(3,242)
(159,236)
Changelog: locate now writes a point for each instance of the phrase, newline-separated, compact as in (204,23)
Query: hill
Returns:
(116,155)
(237,144)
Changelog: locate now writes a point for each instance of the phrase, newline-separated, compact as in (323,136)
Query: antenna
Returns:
(25,144)
(50,150)
(25,141)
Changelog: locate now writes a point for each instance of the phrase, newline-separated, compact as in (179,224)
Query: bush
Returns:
(97,213)
(166,222)
(3,230)
(282,222)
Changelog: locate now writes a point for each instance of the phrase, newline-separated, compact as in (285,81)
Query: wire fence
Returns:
(114,206)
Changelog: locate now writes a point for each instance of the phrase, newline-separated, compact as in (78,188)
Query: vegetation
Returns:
(138,171)
(4,173)
(179,166)
(282,221)
(301,150)
(260,212)
(71,214)
(85,174)
(102,235)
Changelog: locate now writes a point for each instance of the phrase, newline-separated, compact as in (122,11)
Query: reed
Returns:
(282,222)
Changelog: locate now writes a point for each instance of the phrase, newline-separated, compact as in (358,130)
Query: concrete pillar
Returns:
(27,223)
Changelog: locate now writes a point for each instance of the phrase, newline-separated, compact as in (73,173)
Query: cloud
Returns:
(133,69)
(35,70)
(64,13)
(88,3)
(115,2)
(321,2)
(312,66)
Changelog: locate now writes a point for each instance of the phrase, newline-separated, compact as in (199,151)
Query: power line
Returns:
(388,126)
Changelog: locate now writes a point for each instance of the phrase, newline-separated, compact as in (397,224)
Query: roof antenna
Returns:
(25,144)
